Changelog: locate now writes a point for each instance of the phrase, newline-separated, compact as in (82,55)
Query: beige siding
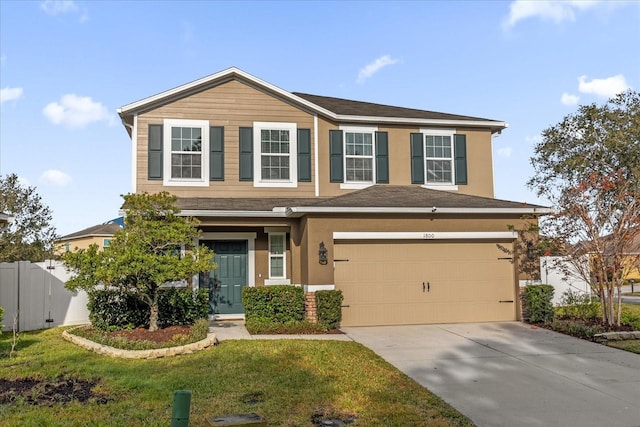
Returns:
(232,105)
(412,282)
(81,243)
(479,159)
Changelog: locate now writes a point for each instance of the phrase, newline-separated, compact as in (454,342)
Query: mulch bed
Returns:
(48,393)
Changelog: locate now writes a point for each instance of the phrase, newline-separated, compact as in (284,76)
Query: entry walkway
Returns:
(512,374)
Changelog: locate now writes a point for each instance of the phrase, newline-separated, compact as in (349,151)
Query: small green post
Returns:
(181,408)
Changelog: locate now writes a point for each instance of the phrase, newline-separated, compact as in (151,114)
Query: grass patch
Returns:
(632,294)
(628,345)
(289,382)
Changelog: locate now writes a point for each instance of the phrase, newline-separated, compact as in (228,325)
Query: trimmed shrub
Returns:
(278,304)
(630,316)
(113,309)
(537,303)
(180,306)
(329,308)
(577,328)
(575,305)
(1,319)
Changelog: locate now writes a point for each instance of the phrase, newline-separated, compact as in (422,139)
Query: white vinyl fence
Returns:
(37,291)
(552,272)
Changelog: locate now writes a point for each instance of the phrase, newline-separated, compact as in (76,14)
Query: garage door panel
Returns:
(382,283)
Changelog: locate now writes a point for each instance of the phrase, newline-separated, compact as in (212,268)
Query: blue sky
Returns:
(66,66)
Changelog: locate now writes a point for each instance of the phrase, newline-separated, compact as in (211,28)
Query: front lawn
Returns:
(629,345)
(288,382)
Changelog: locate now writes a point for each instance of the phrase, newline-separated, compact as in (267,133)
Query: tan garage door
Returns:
(412,282)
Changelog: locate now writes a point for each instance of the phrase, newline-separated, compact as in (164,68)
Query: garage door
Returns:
(412,282)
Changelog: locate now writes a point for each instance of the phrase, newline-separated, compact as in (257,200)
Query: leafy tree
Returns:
(154,247)
(29,235)
(588,166)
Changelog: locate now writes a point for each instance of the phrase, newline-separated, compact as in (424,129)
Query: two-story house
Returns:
(394,206)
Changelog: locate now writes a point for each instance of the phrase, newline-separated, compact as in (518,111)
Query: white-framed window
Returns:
(186,148)
(439,157)
(275,150)
(106,243)
(277,255)
(359,156)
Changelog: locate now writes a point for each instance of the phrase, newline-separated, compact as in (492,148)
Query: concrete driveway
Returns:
(511,374)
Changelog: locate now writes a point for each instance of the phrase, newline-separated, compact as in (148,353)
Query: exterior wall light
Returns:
(322,254)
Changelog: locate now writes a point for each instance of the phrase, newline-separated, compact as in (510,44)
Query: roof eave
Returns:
(276,213)
(302,210)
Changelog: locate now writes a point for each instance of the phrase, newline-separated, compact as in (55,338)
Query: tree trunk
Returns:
(153,316)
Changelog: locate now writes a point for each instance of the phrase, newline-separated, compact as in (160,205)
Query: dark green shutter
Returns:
(246,154)
(417,158)
(304,155)
(460,156)
(382,157)
(216,159)
(336,161)
(155,152)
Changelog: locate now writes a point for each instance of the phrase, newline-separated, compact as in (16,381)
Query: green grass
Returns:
(632,294)
(628,345)
(293,378)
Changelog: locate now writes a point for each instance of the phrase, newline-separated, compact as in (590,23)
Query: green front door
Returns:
(229,278)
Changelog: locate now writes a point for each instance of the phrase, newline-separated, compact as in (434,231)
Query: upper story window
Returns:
(186,152)
(358,156)
(438,158)
(275,151)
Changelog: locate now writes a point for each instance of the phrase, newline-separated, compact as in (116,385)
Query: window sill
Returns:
(355,185)
(271,282)
(446,187)
(275,184)
(174,183)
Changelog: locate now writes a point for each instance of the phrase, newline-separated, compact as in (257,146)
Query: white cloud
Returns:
(372,68)
(10,94)
(569,99)
(60,7)
(533,140)
(505,152)
(608,87)
(556,11)
(57,7)
(55,178)
(76,111)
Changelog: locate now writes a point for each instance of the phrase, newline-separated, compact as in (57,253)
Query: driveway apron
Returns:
(512,374)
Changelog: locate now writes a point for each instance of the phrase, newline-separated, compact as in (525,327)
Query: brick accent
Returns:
(310,312)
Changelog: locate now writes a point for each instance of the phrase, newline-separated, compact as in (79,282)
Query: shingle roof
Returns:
(377,196)
(360,108)
(409,196)
(107,229)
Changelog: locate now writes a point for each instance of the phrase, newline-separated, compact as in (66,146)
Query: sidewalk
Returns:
(235,330)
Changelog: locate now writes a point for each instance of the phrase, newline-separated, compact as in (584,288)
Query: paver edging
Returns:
(155,353)
(617,336)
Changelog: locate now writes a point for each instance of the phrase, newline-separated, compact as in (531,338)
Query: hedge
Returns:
(329,308)
(277,304)
(538,306)
(112,309)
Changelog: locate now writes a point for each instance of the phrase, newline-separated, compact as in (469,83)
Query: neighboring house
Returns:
(4,220)
(394,206)
(100,234)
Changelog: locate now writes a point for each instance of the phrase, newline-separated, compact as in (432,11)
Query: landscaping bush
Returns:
(577,328)
(631,316)
(278,304)
(113,309)
(180,306)
(1,319)
(575,305)
(537,303)
(329,308)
